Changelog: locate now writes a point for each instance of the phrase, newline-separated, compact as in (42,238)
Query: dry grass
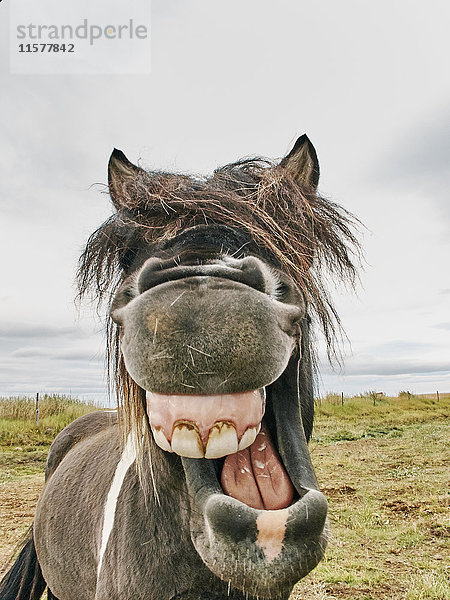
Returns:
(24,408)
(384,470)
(23,444)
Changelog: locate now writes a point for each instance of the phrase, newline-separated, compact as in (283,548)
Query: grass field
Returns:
(383,468)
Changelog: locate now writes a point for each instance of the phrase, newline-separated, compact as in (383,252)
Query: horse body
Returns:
(149,550)
(201,485)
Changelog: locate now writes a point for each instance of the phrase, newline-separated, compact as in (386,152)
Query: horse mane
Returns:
(311,238)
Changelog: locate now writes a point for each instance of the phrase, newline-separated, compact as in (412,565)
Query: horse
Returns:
(200,484)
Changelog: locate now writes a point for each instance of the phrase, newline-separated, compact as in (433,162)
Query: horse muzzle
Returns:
(207,329)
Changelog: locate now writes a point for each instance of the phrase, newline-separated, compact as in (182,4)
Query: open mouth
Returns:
(260,505)
(235,433)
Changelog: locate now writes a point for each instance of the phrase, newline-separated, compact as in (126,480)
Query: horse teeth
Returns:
(161,440)
(248,438)
(186,441)
(222,440)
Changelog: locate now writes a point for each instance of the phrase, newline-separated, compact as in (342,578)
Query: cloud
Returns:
(445,326)
(390,384)
(394,358)
(426,154)
(420,161)
(81,355)
(401,348)
(31,374)
(24,330)
(86,355)
(47,358)
(407,367)
(31,352)
(53,149)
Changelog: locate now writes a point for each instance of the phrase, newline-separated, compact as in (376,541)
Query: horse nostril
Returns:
(290,318)
(254,273)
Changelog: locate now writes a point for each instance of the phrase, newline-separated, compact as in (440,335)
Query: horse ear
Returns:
(302,163)
(120,172)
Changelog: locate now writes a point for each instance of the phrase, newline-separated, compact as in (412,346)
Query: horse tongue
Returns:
(256,476)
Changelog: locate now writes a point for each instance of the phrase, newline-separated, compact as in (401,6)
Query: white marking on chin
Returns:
(126,460)
(271,529)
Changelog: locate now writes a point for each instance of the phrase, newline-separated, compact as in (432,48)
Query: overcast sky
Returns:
(368,82)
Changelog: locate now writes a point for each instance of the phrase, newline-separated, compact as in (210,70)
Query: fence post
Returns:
(342,398)
(37,409)
(437,396)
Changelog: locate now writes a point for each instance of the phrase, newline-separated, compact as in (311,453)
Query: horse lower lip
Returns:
(233,528)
